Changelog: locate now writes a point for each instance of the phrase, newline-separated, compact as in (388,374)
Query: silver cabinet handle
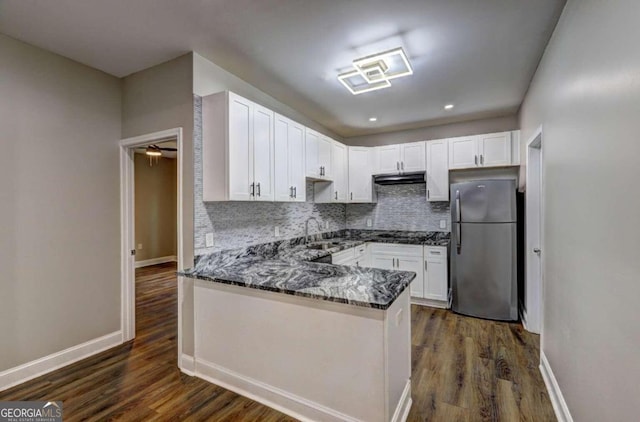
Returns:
(290,191)
(252,192)
(425,265)
(475,159)
(481,159)
(352,196)
(397,165)
(401,165)
(536,251)
(428,194)
(295,191)
(336,195)
(258,188)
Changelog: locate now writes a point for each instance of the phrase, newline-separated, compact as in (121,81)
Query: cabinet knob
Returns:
(537,251)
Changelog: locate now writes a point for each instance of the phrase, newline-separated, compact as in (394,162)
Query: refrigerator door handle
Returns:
(459,237)
(458,211)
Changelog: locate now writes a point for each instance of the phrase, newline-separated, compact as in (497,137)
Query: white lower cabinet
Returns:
(357,256)
(401,258)
(436,286)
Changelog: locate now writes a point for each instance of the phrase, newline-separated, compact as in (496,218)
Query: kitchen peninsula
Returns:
(314,340)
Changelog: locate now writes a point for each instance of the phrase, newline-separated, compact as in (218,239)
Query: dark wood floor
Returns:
(464,369)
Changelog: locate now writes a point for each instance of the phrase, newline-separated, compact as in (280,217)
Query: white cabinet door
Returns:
(387,159)
(495,149)
(463,152)
(263,153)
(383,261)
(436,279)
(339,165)
(413,263)
(324,157)
(282,188)
(413,157)
(296,162)
(312,163)
(437,170)
(240,148)
(360,181)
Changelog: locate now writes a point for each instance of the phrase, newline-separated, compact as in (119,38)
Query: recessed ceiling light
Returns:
(448,107)
(374,72)
(373,119)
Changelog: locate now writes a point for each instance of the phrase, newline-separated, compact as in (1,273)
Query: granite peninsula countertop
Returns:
(287,267)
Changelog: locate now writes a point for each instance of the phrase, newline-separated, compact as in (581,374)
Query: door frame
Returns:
(534,289)
(127,224)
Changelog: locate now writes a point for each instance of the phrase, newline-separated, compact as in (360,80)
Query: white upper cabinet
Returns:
(289,177)
(360,175)
(337,190)
(491,150)
(317,155)
(413,157)
(495,149)
(400,158)
(463,152)
(437,157)
(237,149)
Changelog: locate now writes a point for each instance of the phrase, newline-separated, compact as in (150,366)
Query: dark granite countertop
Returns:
(285,267)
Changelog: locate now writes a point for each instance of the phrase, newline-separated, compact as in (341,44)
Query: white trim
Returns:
(283,401)
(555,394)
(404,405)
(30,370)
(156,261)
(127,228)
(188,364)
(442,304)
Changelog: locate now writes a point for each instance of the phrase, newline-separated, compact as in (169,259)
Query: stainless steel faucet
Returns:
(306,228)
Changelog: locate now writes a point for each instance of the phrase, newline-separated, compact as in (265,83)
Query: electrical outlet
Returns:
(276,231)
(326,225)
(209,240)
(443,224)
(369,222)
(139,246)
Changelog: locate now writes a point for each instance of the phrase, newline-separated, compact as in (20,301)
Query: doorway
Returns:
(532,309)
(128,245)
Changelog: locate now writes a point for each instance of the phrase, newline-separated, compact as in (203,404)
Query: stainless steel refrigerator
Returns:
(483,249)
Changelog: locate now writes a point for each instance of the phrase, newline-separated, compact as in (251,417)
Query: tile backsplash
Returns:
(400,207)
(240,224)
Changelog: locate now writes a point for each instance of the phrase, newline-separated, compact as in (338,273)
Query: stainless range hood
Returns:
(399,179)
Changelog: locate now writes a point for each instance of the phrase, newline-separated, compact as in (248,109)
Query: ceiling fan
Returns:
(156,151)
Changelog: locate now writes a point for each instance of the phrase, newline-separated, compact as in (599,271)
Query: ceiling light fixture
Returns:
(448,107)
(373,119)
(153,151)
(375,71)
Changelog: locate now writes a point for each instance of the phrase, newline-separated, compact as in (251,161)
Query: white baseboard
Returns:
(283,401)
(430,302)
(156,261)
(30,370)
(555,395)
(188,365)
(404,405)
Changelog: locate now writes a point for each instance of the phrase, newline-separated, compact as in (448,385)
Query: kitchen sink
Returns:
(323,245)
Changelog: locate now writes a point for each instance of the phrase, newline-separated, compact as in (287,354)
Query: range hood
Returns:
(399,179)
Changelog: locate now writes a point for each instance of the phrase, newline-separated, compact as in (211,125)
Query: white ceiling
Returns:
(478,55)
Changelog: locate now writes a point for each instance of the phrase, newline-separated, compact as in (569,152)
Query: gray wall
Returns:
(473,127)
(160,98)
(586,94)
(59,203)
(400,207)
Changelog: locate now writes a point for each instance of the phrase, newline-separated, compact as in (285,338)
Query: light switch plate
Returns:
(209,240)
(276,231)
(369,222)
(443,224)
(139,246)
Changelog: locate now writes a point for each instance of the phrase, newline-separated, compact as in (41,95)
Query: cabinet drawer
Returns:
(400,250)
(342,256)
(435,252)
(360,251)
